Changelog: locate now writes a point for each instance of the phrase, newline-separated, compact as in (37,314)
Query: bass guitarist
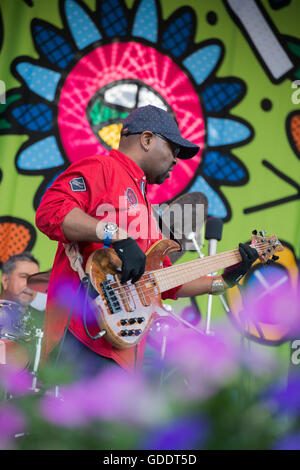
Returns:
(95,203)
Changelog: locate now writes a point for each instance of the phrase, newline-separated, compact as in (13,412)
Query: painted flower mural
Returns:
(91,73)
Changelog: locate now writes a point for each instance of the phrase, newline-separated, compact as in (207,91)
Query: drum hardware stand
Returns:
(192,236)
(164,312)
(39,335)
(167,310)
(208,331)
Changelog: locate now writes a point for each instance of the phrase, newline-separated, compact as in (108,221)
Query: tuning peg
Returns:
(254,232)
(275,258)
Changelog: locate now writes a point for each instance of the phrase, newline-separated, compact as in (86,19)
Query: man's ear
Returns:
(146,139)
(4,281)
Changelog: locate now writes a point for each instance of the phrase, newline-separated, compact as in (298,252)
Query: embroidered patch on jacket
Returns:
(78,184)
(131,196)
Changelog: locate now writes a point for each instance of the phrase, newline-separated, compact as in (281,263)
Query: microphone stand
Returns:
(212,250)
(213,233)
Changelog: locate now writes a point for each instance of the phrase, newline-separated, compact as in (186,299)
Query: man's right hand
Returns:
(132,257)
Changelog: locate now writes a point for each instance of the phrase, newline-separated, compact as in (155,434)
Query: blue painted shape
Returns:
(202,62)
(53,46)
(145,23)
(220,95)
(40,80)
(221,167)
(42,155)
(177,36)
(35,117)
(225,132)
(216,206)
(82,27)
(113,19)
(49,184)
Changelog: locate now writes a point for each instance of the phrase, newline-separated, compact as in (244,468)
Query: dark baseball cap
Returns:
(158,121)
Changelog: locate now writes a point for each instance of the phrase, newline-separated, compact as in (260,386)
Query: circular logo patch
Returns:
(131,196)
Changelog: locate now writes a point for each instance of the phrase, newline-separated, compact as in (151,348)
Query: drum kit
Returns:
(20,342)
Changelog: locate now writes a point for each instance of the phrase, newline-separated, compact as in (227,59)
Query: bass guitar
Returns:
(125,312)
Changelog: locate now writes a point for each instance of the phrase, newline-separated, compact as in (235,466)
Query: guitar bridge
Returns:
(110,297)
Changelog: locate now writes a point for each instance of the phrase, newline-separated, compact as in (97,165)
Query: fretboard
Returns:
(174,276)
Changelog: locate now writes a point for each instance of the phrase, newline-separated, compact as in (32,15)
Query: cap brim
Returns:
(187,148)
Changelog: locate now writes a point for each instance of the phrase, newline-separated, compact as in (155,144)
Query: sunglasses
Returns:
(174,147)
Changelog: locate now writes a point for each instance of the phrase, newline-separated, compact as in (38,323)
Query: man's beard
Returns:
(162,178)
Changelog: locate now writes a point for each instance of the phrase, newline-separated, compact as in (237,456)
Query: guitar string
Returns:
(209,260)
(132,295)
(149,276)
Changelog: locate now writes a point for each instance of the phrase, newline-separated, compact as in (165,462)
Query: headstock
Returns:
(266,247)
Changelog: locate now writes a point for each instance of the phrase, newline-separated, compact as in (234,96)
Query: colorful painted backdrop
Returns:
(70,70)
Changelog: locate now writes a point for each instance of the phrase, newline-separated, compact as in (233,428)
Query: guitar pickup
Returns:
(126,295)
(110,297)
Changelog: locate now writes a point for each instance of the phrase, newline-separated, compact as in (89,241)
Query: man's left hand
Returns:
(233,274)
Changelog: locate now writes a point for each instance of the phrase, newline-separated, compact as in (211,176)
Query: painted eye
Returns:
(113,103)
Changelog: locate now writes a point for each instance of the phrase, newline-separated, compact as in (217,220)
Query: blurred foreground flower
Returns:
(203,362)
(15,381)
(290,442)
(181,434)
(278,306)
(286,398)
(112,395)
(12,422)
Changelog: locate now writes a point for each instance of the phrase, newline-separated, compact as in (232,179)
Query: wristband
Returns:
(217,287)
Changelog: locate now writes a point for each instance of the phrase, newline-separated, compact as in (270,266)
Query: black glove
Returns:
(133,258)
(233,274)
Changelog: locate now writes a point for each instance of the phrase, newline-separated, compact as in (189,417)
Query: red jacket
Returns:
(88,184)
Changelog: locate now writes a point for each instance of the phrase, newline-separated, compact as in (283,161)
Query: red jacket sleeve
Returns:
(75,187)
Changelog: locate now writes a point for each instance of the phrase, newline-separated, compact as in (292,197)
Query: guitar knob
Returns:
(130,332)
(137,332)
(140,319)
(124,332)
(123,321)
(132,321)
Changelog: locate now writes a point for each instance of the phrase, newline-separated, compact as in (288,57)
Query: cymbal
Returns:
(39,282)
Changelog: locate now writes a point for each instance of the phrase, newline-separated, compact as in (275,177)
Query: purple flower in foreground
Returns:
(290,442)
(113,395)
(14,381)
(278,307)
(12,422)
(203,361)
(182,434)
(286,398)
(68,409)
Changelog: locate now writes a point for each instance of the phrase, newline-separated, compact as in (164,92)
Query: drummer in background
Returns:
(15,272)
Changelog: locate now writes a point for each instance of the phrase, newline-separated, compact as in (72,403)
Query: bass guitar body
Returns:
(125,312)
